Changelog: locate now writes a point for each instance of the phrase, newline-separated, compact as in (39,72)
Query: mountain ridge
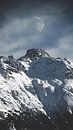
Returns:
(35,87)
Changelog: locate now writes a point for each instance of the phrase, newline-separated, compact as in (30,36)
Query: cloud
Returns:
(47,27)
(18,34)
(63,47)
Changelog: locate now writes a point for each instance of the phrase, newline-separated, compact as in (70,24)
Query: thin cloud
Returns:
(63,48)
(18,35)
(50,30)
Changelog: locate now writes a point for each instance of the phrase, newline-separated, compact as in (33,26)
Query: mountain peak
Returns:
(34,53)
(35,84)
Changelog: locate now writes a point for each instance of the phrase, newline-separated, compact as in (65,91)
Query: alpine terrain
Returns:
(36,92)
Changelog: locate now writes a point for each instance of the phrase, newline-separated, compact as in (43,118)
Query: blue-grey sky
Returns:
(45,24)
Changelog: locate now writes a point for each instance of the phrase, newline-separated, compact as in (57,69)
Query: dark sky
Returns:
(46,24)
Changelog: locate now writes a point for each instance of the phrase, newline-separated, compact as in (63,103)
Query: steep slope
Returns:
(52,80)
(36,90)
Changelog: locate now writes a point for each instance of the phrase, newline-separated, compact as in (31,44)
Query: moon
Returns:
(39,23)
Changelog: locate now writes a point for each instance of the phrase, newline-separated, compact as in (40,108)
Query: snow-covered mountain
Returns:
(36,92)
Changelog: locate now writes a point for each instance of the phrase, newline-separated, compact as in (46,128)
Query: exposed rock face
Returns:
(34,53)
(36,92)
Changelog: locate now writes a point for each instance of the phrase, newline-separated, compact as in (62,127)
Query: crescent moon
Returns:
(39,23)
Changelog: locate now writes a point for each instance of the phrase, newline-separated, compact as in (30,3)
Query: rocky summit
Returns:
(36,92)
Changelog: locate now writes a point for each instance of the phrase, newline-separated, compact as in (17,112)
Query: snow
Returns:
(46,85)
(14,94)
